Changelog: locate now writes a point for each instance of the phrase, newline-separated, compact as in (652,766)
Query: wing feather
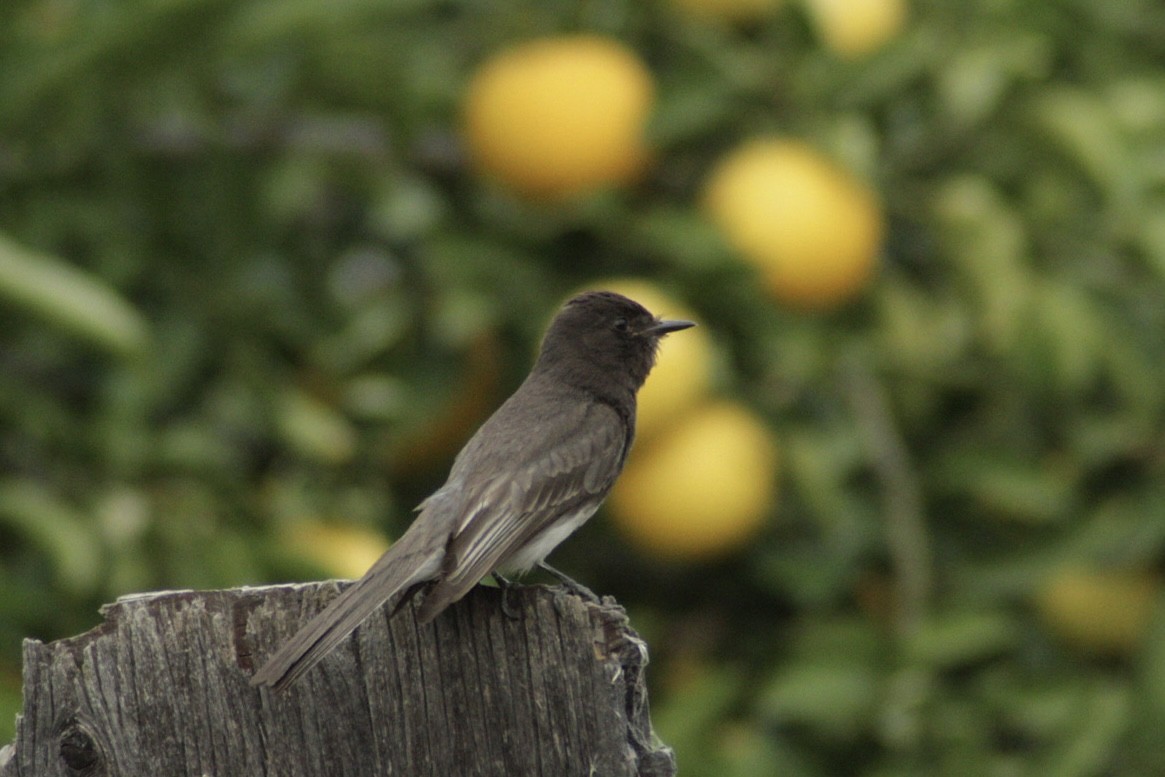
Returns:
(512,508)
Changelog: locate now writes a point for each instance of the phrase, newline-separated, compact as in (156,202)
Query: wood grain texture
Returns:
(161,687)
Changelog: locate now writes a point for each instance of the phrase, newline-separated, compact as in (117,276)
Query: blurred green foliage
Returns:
(247,282)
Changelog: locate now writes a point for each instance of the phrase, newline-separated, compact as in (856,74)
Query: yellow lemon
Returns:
(683,369)
(558,116)
(700,490)
(813,230)
(343,551)
(1100,611)
(854,28)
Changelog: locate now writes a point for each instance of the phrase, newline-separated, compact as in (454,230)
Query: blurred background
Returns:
(896,506)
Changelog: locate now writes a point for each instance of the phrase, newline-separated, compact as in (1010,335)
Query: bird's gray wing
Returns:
(513,507)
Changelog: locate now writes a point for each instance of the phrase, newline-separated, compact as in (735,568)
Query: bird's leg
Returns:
(508,609)
(575,587)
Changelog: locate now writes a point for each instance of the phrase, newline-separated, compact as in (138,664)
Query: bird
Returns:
(533,473)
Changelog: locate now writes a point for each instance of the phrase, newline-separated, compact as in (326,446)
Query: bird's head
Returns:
(603,338)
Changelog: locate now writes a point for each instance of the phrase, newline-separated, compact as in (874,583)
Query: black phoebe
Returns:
(536,470)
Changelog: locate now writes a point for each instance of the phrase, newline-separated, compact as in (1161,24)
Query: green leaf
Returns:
(961,637)
(68,298)
(836,699)
(58,529)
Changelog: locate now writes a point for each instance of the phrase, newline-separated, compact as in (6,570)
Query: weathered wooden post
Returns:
(161,688)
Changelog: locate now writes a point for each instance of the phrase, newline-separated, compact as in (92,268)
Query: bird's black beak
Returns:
(661,328)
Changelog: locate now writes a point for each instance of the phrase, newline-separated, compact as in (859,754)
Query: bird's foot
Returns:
(575,587)
(508,609)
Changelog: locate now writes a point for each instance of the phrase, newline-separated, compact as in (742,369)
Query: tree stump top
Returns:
(161,687)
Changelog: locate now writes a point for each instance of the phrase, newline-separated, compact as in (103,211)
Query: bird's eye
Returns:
(621,325)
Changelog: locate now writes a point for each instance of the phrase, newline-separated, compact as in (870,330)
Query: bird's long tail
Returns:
(411,560)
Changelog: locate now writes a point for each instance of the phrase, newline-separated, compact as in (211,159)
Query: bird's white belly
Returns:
(539,547)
